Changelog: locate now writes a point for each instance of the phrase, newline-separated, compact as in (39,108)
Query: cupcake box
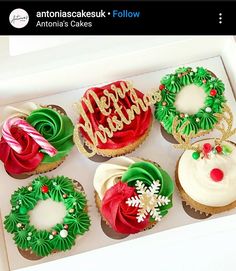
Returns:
(79,167)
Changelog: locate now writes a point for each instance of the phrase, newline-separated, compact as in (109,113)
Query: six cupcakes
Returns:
(131,194)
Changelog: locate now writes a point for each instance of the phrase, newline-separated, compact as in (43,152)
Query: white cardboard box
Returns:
(213,46)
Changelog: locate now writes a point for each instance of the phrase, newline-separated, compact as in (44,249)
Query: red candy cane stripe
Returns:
(38,138)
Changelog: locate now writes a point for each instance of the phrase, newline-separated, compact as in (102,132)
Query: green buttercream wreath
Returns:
(204,119)
(60,237)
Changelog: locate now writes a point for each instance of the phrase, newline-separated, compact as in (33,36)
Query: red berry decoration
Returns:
(217,174)
(44,189)
(207,148)
(213,92)
(161,87)
(219,149)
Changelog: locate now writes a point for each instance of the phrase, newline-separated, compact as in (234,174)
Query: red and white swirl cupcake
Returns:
(114,119)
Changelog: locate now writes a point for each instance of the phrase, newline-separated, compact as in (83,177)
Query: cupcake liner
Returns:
(56,108)
(198,207)
(212,73)
(194,136)
(168,137)
(29,255)
(106,227)
(194,213)
(109,232)
(96,157)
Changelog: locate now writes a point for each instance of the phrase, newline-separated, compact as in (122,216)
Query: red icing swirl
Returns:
(121,216)
(26,161)
(130,133)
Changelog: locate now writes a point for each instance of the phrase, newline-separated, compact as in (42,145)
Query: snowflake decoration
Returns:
(148,200)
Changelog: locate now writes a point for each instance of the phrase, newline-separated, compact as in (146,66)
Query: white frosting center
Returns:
(190,99)
(194,176)
(47,213)
(109,173)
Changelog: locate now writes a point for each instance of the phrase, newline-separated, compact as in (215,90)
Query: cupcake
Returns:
(41,238)
(194,97)
(114,120)
(34,139)
(132,194)
(204,174)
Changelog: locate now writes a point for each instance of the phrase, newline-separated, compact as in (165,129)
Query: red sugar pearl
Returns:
(213,92)
(217,174)
(44,189)
(161,87)
(207,147)
(218,149)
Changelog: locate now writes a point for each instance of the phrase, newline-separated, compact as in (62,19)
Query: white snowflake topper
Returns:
(148,200)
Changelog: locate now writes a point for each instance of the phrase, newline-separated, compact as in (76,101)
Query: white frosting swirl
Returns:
(194,176)
(109,173)
(24,111)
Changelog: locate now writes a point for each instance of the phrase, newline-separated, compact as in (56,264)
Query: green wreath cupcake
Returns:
(61,236)
(194,96)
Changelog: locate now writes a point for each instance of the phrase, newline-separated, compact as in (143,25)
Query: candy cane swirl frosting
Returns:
(195,178)
(31,135)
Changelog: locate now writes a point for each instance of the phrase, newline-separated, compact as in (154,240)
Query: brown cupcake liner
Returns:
(106,227)
(212,73)
(194,213)
(56,108)
(194,136)
(198,207)
(43,168)
(124,150)
(28,253)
